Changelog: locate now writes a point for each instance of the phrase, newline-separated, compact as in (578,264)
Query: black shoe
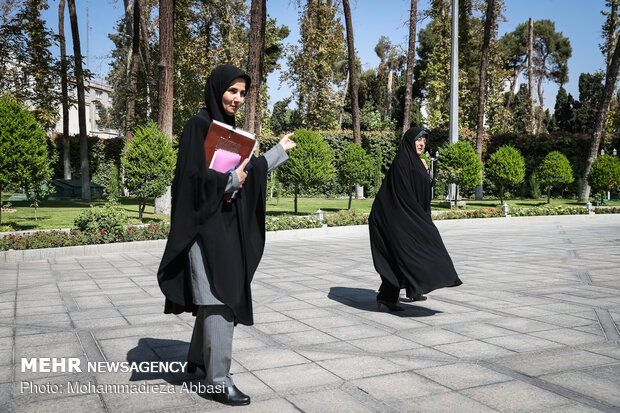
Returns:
(390,306)
(191,367)
(232,396)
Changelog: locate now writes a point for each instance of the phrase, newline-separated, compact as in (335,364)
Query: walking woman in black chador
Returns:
(407,249)
(215,245)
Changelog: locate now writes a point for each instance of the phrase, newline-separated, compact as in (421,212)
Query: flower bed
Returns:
(56,238)
(51,239)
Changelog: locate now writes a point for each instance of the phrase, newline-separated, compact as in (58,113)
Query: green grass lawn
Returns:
(61,213)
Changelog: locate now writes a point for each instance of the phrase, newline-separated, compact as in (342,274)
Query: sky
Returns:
(578,20)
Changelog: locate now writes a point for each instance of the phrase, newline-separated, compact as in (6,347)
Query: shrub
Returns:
(107,223)
(505,168)
(554,171)
(458,164)
(604,174)
(149,161)
(310,162)
(478,213)
(24,158)
(291,222)
(607,210)
(344,218)
(354,167)
(547,210)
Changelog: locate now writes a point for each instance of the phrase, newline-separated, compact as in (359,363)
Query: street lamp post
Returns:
(433,171)
(454,87)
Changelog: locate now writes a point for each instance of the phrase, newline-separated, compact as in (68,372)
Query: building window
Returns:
(98,93)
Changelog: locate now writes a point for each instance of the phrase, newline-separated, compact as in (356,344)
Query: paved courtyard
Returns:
(534,327)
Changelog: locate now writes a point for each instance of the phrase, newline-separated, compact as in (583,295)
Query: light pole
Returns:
(454,87)
(433,171)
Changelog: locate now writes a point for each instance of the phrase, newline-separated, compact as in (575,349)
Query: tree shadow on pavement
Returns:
(366,300)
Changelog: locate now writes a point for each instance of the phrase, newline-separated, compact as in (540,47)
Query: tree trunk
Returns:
(166,79)
(612,36)
(344,97)
(515,79)
(357,135)
(147,57)
(133,72)
(66,154)
(388,95)
(530,78)
(413,18)
(483,83)
(540,98)
(256,57)
(549,195)
(501,194)
(350,195)
(601,115)
(79,78)
(296,192)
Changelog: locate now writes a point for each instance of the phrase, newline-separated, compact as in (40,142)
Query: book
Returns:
(226,147)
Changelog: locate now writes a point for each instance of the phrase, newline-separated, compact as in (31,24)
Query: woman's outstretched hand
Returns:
(241,173)
(287,143)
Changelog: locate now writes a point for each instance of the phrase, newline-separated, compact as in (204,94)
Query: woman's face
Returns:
(234,96)
(420,144)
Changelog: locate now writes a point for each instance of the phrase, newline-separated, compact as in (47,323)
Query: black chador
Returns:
(231,235)
(407,249)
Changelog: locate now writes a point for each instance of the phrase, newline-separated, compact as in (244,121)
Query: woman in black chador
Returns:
(407,249)
(215,245)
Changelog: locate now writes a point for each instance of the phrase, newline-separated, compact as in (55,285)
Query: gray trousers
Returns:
(211,344)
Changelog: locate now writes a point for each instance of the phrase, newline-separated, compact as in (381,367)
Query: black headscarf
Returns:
(219,80)
(406,246)
(231,234)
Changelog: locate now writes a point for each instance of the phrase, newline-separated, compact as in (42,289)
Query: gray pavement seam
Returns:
(609,327)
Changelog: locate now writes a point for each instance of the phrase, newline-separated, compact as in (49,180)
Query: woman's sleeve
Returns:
(275,157)
(233,183)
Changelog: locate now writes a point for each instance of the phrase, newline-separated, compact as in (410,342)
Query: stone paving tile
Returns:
(356,367)
(82,403)
(604,389)
(328,401)
(513,396)
(443,403)
(459,376)
(264,406)
(554,361)
(473,349)
(574,407)
(269,358)
(399,386)
(293,377)
(522,343)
